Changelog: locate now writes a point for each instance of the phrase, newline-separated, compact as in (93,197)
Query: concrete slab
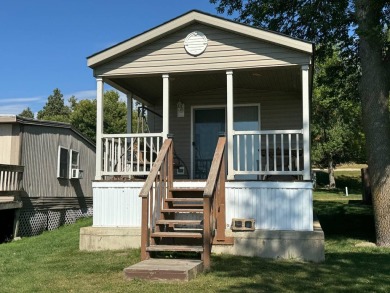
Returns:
(299,245)
(165,269)
(109,238)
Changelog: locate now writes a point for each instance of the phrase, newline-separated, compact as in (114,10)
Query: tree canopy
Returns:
(336,115)
(82,113)
(55,108)
(359,28)
(27,113)
(83,116)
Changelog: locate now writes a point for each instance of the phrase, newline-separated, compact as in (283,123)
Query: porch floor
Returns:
(165,269)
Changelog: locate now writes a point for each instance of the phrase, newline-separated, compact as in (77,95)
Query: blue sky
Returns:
(44,43)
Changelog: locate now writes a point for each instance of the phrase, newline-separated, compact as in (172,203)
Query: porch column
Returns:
(99,126)
(229,112)
(129,112)
(306,123)
(165,105)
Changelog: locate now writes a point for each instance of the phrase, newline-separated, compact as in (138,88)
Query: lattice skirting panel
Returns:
(34,222)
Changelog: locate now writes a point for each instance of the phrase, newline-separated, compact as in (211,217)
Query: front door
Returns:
(208,124)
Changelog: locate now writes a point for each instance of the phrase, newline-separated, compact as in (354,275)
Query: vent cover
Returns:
(243,224)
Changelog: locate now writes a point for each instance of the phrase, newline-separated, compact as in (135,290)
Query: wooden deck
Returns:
(165,269)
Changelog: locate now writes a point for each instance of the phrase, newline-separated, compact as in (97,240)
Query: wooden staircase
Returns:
(180,227)
(180,220)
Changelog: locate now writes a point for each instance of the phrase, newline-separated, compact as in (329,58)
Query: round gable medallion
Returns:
(195,43)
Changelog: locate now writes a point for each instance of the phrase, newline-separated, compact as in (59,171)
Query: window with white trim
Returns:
(74,163)
(63,163)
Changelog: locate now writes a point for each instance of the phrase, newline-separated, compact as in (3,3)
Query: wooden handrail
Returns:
(156,168)
(215,167)
(214,202)
(156,189)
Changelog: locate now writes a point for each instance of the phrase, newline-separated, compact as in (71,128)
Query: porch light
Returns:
(180,109)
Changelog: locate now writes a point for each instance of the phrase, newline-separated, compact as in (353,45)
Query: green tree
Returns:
(330,23)
(55,108)
(27,113)
(115,111)
(83,116)
(336,115)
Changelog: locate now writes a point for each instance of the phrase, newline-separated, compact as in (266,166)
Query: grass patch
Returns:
(350,179)
(52,262)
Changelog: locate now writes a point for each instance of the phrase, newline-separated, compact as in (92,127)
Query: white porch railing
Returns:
(130,154)
(269,152)
(10,177)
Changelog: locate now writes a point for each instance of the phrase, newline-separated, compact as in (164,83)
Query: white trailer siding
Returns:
(273,205)
(116,204)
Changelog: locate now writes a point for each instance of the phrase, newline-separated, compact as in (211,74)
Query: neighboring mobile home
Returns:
(205,75)
(48,167)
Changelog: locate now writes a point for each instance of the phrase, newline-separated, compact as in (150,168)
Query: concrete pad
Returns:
(300,245)
(109,238)
(165,269)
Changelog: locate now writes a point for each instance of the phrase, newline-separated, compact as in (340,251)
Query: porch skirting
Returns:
(272,205)
(282,212)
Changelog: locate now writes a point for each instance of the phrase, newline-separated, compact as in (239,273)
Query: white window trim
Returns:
(71,161)
(59,161)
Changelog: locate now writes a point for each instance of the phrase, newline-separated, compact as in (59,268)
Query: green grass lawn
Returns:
(52,262)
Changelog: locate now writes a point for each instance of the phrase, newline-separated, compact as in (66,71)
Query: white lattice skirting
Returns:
(34,222)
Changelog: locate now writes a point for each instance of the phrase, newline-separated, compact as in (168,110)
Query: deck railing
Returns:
(214,219)
(154,192)
(269,152)
(10,178)
(130,154)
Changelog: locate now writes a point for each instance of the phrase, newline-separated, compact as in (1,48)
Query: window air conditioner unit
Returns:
(77,174)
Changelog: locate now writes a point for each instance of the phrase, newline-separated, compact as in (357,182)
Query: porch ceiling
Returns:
(150,87)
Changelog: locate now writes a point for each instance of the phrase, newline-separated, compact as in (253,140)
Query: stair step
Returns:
(186,248)
(182,210)
(179,222)
(196,189)
(188,205)
(165,269)
(178,199)
(176,235)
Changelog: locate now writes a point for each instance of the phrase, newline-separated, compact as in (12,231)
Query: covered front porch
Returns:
(264,113)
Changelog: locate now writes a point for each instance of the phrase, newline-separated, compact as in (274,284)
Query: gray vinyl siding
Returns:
(225,50)
(278,111)
(40,158)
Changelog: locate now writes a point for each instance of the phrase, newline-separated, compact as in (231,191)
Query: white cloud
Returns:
(91,94)
(20,100)
(16,105)
(12,109)
(82,95)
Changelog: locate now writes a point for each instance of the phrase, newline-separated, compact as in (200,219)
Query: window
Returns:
(74,161)
(63,163)
(68,164)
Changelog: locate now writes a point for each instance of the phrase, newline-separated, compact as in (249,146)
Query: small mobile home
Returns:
(47,168)
(228,113)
